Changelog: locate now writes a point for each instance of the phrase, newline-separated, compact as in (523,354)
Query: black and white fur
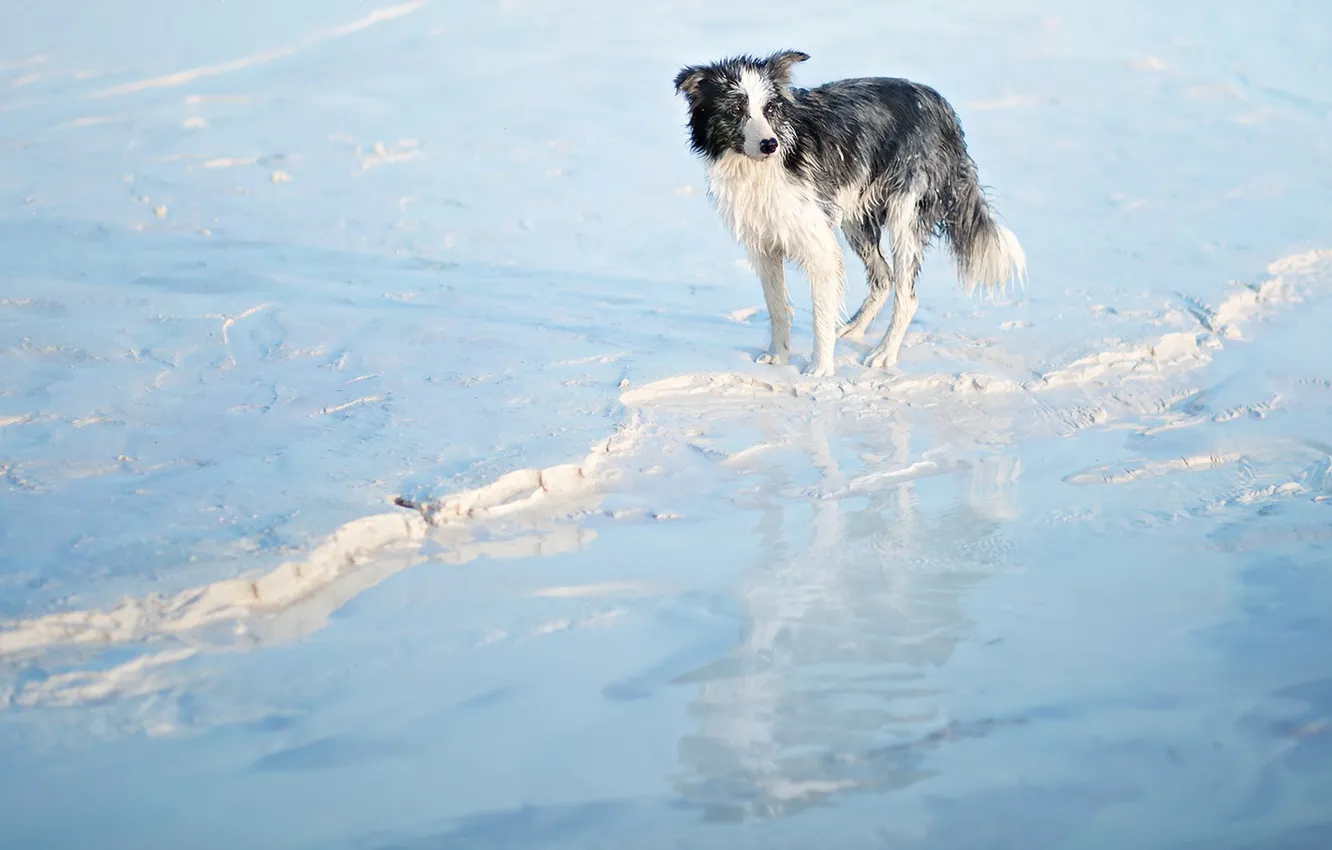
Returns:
(786,166)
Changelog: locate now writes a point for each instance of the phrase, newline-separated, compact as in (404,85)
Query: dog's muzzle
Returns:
(768,147)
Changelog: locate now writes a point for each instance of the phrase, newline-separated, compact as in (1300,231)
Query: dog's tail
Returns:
(988,254)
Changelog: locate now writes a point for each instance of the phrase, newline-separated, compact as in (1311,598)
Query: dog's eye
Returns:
(771,109)
(738,108)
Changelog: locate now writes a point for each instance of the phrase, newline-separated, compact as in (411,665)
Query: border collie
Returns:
(786,166)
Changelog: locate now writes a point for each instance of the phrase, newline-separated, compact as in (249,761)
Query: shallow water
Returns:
(1059,583)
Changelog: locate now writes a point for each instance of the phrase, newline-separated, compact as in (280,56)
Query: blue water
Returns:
(1002,653)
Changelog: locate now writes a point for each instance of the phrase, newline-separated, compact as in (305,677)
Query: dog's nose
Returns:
(768,146)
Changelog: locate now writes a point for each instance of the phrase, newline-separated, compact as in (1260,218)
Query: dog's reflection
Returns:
(853,606)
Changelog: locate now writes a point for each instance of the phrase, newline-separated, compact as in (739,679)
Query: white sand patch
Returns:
(195,99)
(96,120)
(606,588)
(231,161)
(1151,469)
(1171,353)
(382,154)
(1150,63)
(180,78)
(297,597)
(338,408)
(140,677)
(139,619)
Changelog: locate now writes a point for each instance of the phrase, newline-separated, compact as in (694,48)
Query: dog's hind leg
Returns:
(865,236)
(910,237)
(768,265)
(885,355)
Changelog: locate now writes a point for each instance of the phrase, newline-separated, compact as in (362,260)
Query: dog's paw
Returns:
(781,358)
(881,360)
(820,369)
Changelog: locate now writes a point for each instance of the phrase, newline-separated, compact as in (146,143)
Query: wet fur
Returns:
(876,157)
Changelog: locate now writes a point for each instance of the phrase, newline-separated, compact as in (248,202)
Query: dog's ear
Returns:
(780,64)
(688,81)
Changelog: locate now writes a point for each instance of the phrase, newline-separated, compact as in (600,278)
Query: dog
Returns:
(787,167)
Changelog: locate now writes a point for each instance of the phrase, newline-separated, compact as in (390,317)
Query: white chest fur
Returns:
(764,208)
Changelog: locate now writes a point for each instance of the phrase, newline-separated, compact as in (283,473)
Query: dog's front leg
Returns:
(768,264)
(821,258)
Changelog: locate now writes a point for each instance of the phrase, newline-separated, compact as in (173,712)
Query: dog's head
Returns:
(740,104)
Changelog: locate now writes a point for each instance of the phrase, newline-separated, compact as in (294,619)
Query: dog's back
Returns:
(885,141)
(883,133)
